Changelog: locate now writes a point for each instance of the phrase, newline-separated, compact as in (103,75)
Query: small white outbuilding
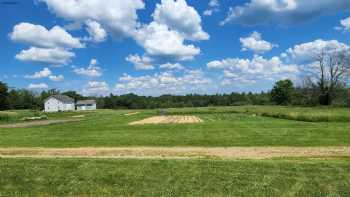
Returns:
(86,105)
(57,103)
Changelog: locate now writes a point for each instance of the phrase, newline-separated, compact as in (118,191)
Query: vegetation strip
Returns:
(37,123)
(179,152)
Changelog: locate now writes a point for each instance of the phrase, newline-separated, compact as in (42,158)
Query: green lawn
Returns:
(221,127)
(78,177)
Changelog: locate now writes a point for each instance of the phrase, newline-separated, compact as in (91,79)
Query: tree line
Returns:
(283,93)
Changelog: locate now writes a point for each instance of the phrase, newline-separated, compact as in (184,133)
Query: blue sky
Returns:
(165,46)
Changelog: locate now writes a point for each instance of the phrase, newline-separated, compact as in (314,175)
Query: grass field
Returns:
(76,177)
(109,128)
(249,126)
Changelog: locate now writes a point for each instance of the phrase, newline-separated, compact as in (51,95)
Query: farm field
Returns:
(220,128)
(228,151)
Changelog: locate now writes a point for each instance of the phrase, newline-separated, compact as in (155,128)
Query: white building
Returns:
(86,105)
(57,103)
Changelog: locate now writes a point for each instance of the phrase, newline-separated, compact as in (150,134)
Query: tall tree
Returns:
(329,73)
(74,95)
(282,92)
(3,96)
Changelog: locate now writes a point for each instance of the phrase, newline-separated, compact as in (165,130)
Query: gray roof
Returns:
(86,102)
(62,98)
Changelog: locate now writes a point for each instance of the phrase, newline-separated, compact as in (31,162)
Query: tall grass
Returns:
(307,114)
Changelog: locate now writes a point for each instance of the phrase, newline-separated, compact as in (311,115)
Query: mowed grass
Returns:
(84,177)
(221,127)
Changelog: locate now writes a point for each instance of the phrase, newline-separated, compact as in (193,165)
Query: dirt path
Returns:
(178,152)
(37,123)
(168,120)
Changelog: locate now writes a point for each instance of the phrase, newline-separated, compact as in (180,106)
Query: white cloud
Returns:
(169,66)
(56,78)
(180,17)
(208,12)
(249,71)
(119,17)
(287,12)
(256,44)
(46,72)
(174,23)
(93,61)
(214,3)
(213,7)
(96,32)
(140,63)
(96,88)
(193,81)
(344,25)
(306,52)
(39,86)
(55,56)
(39,36)
(91,71)
(158,40)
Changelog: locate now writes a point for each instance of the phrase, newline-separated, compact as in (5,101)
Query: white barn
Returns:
(57,103)
(86,105)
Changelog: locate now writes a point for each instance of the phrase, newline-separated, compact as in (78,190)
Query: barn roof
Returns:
(86,102)
(62,98)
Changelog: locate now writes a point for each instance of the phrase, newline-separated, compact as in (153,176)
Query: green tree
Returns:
(3,96)
(73,94)
(282,92)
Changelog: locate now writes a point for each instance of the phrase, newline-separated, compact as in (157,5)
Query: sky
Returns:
(155,47)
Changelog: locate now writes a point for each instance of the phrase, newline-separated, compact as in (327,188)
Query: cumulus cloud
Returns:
(344,25)
(56,78)
(55,56)
(307,52)
(164,83)
(96,32)
(46,72)
(158,40)
(251,70)
(96,88)
(119,17)
(91,71)
(255,43)
(174,22)
(284,12)
(140,63)
(170,66)
(213,7)
(180,17)
(39,86)
(39,36)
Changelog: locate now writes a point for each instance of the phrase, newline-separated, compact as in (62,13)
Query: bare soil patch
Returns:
(168,120)
(37,123)
(179,152)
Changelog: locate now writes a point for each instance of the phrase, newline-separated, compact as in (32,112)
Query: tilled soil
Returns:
(178,152)
(168,120)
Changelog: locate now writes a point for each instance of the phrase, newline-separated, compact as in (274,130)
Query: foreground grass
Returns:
(109,128)
(74,177)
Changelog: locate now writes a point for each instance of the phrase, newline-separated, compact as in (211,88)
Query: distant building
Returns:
(86,105)
(57,103)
